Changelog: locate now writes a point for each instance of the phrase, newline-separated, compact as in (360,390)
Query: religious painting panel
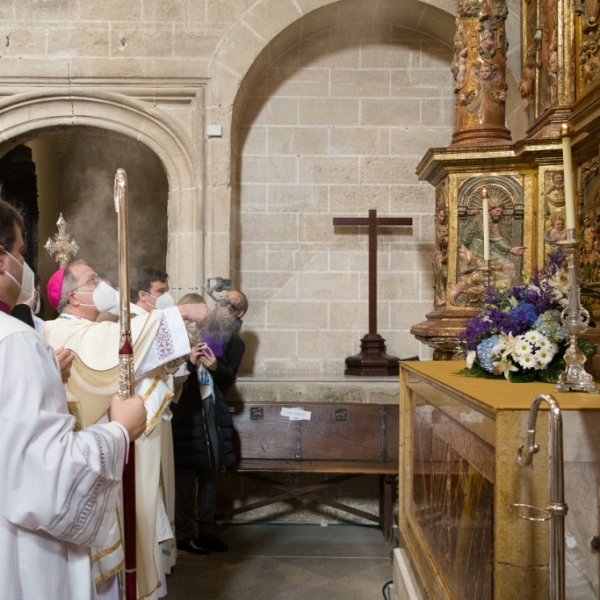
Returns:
(466,287)
(588,44)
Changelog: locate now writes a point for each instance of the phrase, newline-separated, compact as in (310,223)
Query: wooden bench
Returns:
(343,440)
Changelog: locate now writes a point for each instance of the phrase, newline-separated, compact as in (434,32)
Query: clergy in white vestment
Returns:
(158,339)
(59,487)
(149,290)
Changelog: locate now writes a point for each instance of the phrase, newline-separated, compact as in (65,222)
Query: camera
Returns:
(220,284)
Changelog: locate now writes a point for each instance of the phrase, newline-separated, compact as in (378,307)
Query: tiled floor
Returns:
(287,562)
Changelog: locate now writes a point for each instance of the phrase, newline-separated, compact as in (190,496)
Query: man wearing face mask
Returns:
(59,487)
(159,337)
(150,290)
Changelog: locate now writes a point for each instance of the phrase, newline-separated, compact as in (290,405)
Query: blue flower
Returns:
(550,325)
(485,353)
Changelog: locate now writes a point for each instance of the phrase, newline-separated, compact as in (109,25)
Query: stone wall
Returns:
(336,127)
(159,71)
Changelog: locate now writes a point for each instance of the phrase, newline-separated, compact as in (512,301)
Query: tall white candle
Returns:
(568,173)
(486,224)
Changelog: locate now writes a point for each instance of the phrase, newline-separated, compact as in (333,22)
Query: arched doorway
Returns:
(75,170)
(134,124)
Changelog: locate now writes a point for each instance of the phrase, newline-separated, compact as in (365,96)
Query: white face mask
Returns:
(162,302)
(38,306)
(26,285)
(103,296)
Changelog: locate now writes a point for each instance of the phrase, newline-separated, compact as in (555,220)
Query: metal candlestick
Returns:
(487,273)
(575,320)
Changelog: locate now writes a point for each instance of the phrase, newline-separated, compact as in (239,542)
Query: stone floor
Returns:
(286,562)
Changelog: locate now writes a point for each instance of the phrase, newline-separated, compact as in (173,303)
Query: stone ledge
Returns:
(297,388)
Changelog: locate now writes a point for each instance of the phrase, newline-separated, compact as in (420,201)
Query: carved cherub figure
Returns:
(461,69)
(527,82)
(557,232)
(486,72)
(487,42)
(553,72)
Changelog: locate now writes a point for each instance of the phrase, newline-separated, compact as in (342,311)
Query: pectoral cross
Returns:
(61,246)
(372,360)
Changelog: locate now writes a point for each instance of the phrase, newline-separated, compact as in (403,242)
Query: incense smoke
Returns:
(86,200)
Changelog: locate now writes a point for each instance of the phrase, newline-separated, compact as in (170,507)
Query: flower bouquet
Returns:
(519,334)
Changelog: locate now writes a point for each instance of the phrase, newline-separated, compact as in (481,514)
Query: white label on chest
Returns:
(296,414)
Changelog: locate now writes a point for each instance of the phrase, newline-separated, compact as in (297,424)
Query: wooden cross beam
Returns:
(372,360)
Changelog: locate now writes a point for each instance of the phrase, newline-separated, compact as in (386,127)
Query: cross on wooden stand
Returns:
(372,359)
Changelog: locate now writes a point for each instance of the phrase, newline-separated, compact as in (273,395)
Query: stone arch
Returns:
(320,15)
(268,24)
(434,20)
(24,116)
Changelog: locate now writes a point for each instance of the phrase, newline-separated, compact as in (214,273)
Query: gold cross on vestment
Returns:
(61,246)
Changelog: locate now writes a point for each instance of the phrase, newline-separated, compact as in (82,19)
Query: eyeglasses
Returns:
(94,279)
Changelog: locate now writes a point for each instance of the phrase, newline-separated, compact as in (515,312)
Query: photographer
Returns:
(223,367)
(202,432)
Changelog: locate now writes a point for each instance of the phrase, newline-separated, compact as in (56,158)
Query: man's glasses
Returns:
(94,279)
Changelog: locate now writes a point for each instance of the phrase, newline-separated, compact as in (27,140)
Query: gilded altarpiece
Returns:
(458,266)
(588,46)
(547,50)
(589,233)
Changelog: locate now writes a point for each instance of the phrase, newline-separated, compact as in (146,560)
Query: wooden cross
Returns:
(372,360)
(61,246)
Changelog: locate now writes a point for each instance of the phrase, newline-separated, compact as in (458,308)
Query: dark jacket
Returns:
(191,443)
(229,363)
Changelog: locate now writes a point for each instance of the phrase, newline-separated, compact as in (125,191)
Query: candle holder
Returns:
(487,273)
(575,320)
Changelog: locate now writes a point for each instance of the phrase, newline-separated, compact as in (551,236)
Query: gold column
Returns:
(479,68)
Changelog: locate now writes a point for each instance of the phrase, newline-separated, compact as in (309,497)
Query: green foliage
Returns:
(475,371)
(551,373)
(587,347)
(524,376)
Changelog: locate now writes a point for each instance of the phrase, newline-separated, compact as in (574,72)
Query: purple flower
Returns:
(476,330)
(523,317)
